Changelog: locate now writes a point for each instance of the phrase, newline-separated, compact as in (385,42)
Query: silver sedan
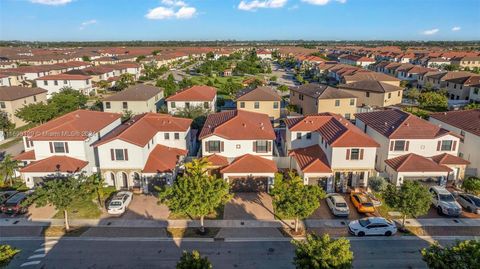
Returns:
(337,205)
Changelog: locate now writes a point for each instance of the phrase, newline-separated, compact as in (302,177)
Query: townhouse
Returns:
(466,61)
(359,76)
(97,73)
(328,150)
(137,99)
(240,145)
(459,88)
(144,151)
(63,146)
(12,78)
(195,96)
(15,97)
(356,60)
(264,54)
(55,83)
(313,98)
(439,79)
(466,124)
(474,95)
(373,93)
(412,148)
(263,100)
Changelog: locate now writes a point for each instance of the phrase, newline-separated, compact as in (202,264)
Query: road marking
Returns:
(49,243)
(29,263)
(36,256)
(46,249)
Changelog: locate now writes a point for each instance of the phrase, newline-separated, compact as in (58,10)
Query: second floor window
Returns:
(206,105)
(214,146)
(354,154)
(242,104)
(58,147)
(119,154)
(2,105)
(260,146)
(166,136)
(176,136)
(352,102)
(187,105)
(173,105)
(446,145)
(257,105)
(107,105)
(275,105)
(337,102)
(309,135)
(125,105)
(299,135)
(55,82)
(367,94)
(399,145)
(45,83)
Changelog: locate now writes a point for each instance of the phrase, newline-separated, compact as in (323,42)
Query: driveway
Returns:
(249,205)
(144,207)
(323,212)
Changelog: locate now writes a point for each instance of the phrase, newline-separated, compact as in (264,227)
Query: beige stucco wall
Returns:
(12,106)
(265,107)
(136,107)
(345,109)
(376,99)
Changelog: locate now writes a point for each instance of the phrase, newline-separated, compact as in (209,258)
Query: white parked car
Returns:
(337,205)
(445,202)
(119,203)
(372,226)
(469,202)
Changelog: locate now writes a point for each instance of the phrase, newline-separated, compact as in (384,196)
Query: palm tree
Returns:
(8,166)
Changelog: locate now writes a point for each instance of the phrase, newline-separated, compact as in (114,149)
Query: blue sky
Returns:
(77,20)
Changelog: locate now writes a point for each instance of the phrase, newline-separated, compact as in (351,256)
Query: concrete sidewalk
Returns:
(310,223)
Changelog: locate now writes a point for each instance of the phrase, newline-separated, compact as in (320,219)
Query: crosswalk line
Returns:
(36,256)
(44,249)
(49,243)
(29,263)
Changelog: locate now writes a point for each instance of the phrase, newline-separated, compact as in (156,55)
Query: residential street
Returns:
(372,252)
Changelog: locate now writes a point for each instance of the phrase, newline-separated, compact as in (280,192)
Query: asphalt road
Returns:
(148,253)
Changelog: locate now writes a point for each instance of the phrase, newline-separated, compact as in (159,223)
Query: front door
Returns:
(124,181)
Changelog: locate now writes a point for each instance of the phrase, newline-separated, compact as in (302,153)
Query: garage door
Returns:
(249,184)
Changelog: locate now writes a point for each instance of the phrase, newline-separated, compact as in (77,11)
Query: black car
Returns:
(5,195)
(14,204)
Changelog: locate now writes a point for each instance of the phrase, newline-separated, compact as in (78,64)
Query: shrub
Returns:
(377,184)
(7,253)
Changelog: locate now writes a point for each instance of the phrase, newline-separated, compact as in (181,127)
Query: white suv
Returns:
(372,226)
(119,203)
(444,201)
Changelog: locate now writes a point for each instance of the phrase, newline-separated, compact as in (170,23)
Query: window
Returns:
(446,145)
(256,105)
(275,105)
(352,102)
(337,102)
(347,116)
(206,105)
(242,104)
(119,154)
(34,98)
(87,81)
(476,90)
(166,136)
(399,92)
(172,105)
(261,146)
(389,95)
(59,147)
(176,136)
(309,135)
(299,135)
(300,96)
(65,82)
(55,82)
(187,104)
(399,145)
(45,83)
(125,105)
(367,94)
(2,105)
(213,146)
(107,105)
(354,154)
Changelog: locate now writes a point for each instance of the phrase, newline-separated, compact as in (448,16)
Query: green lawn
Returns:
(81,210)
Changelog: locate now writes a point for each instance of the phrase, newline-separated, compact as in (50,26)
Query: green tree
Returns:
(61,193)
(464,254)
(411,199)
(377,184)
(140,58)
(322,253)
(67,100)
(86,58)
(36,113)
(8,167)
(7,253)
(428,87)
(413,94)
(197,113)
(169,85)
(433,101)
(103,84)
(127,114)
(124,81)
(231,88)
(283,88)
(5,123)
(95,184)
(472,106)
(273,78)
(292,198)
(193,260)
(471,185)
(197,193)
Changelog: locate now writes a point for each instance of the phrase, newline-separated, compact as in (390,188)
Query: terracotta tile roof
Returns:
(397,124)
(53,164)
(446,158)
(238,125)
(259,94)
(76,125)
(311,159)
(467,120)
(370,76)
(64,77)
(25,156)
(321,91)
(217,160)
(139,92)
(467,81)
(336,130)
(251,164)
(415,163)
(370,86)
(195,93)
(163,159)
(142,128)
(10,93)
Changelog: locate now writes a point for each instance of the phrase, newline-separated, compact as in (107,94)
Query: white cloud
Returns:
(431,31)
(456,28)
(171,9)
(86,23)
(256,4)
(322,2)
(51,2)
